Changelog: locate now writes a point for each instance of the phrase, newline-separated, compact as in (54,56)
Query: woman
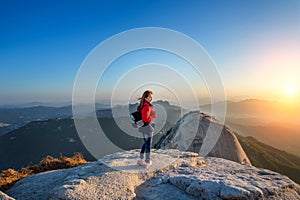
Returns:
(148,115)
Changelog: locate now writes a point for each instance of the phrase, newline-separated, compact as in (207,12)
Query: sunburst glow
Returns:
(290,90)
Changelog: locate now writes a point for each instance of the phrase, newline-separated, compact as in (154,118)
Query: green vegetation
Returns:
(10,176)
(268,157)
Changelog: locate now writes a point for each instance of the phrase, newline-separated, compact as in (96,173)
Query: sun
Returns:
(290,90)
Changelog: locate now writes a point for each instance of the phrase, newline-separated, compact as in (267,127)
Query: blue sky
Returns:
(255,44)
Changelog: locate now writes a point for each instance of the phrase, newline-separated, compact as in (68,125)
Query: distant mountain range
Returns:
(17,117)
(273,123)
(34,141)
(14,118)
(35,104)
(281,136)
(268,157)
(37,139)
(101,104)
(270,110)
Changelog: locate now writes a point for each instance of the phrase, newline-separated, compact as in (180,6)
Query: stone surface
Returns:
(174,175)
(3,196)
(196,128)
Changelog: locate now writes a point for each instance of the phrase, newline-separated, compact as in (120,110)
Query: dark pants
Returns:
(147,134)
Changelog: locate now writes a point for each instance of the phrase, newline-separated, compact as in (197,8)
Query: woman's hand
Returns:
(153,114)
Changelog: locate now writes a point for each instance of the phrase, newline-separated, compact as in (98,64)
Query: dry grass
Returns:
(10,176)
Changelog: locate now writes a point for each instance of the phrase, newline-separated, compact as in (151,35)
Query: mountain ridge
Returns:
(268,157)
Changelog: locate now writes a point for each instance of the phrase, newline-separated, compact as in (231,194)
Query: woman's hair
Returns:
(142,99)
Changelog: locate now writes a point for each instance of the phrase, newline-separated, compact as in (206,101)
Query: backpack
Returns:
(136,119)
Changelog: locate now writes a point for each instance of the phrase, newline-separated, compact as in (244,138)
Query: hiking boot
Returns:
(140,162)
(147,164)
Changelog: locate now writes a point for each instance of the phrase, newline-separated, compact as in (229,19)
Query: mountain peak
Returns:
(186,135)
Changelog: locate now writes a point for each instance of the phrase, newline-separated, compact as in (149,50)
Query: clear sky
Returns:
(255,44)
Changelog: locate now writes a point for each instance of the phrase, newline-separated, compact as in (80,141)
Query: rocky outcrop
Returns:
(4,196)
(191,131)
(174,175)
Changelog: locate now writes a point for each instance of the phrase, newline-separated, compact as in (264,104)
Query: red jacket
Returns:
(148,114)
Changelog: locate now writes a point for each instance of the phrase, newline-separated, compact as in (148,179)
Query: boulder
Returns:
(192,130)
